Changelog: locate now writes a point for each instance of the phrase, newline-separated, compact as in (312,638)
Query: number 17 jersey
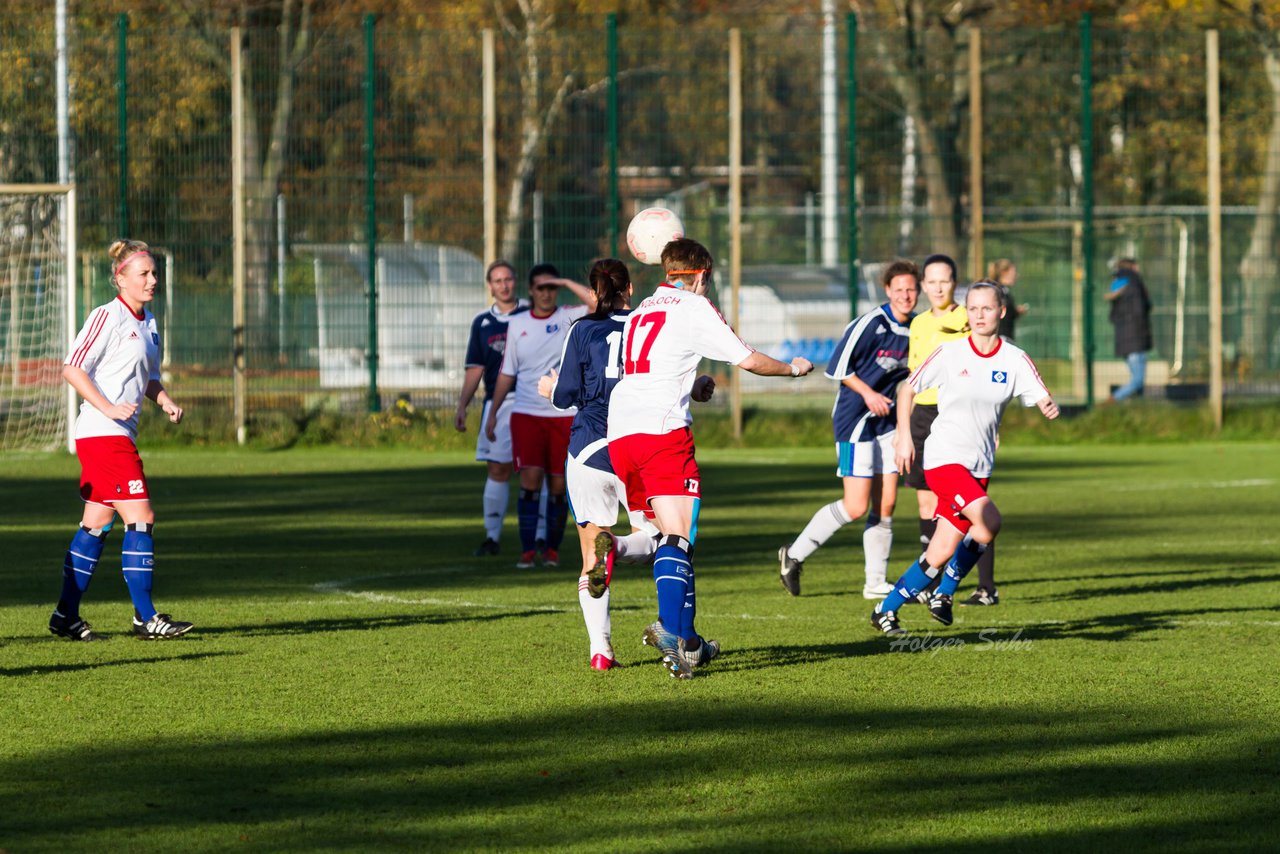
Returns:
(663,341)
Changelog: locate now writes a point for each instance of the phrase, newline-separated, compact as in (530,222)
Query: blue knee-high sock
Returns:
(915,579)
(77,568)
(557,517)
(527,514)
(967,554)
(690,610)
(673,577)
(138,558)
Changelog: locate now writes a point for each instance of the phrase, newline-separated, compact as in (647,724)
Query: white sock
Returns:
(821,527)
(542,513)
(595,613)
(497,494)
(636,547)
(877,542)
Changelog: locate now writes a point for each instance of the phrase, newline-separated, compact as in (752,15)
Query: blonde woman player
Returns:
(114,364)
(976,377)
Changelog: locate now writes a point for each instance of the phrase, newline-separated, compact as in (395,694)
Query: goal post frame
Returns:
(70,326)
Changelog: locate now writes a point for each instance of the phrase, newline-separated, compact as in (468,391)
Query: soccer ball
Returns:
(650,231)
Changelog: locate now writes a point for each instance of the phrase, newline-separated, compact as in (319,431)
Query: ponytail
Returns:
(609,280)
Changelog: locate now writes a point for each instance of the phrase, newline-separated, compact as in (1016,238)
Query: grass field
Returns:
(358,682)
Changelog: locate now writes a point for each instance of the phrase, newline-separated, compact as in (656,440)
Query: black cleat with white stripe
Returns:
(75,629)
(160,627)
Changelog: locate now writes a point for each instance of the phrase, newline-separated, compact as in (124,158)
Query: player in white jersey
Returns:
(539,431)
(114,364)
(976,377)
(650,443)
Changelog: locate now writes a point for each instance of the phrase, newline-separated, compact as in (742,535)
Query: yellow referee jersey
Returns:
(927,332)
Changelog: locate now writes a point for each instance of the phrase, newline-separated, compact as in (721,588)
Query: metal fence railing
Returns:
(351,121)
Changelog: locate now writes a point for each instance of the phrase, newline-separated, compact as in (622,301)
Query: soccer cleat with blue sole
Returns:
(665,642)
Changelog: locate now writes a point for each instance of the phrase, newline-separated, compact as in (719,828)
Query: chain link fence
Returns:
(371,152)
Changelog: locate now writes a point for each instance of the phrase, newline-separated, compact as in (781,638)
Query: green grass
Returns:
(357,681)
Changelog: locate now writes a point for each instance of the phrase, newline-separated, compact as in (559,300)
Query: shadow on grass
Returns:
(629,775)
(45,669)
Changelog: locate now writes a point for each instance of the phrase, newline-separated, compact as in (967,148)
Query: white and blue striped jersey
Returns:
(590,366)
(873,348)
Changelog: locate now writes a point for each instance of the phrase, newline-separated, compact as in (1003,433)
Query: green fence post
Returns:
(1086,143)
(851,89)
(611,26)
(122,117)
(371,214)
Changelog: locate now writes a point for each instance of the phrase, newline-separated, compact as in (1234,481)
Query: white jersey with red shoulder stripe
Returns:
(663,341)
(120,351)
(973,390)
(533,348)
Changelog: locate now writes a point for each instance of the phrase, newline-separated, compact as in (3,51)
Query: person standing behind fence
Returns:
(539,431)
(1131,317)
(1004,273)
(114,364)
(485,349)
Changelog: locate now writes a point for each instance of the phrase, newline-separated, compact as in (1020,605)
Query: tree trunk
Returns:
(1258,268)
(939,199)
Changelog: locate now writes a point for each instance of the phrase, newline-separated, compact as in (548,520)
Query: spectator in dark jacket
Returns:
(1131,317)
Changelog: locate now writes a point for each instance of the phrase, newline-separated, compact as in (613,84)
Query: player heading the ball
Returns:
(650,441)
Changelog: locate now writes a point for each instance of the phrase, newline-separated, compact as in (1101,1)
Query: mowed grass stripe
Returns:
(358,682)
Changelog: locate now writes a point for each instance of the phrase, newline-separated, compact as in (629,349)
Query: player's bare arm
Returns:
(767,366)
(156,392)
(547,383)
(1049,408)
(582,292)
(878,403)
(470,382)
(88,389)
(501,389)
(904,450)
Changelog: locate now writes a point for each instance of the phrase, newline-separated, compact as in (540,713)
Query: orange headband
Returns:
(684,272)
(126,259)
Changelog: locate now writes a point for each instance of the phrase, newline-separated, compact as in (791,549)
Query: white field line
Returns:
(1192,484)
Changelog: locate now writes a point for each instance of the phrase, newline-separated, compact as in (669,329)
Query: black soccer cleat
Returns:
(160,627)
(790,571)
(706,652)
(887,622)
(940,608)
(982,596)
(488,547)
(75,629)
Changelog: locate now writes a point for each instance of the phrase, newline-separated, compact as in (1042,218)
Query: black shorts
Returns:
(922,416)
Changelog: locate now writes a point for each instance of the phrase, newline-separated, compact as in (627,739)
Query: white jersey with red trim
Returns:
(973,390)
(533,348)
(120,351)
(665,338)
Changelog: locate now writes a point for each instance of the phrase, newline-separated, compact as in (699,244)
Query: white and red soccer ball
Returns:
(650,231)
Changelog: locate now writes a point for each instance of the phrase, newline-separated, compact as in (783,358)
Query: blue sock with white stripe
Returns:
(673,577)
(966,555)
(915,579)
(77,568)
(137,559)
(527,515)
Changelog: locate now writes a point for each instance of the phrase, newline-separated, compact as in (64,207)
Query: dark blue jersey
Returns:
(590,366)
(874,349)
(488,343)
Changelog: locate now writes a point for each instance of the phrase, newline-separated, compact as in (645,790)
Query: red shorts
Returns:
(956,489)
(653,466)
(111,470)
(540,442)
